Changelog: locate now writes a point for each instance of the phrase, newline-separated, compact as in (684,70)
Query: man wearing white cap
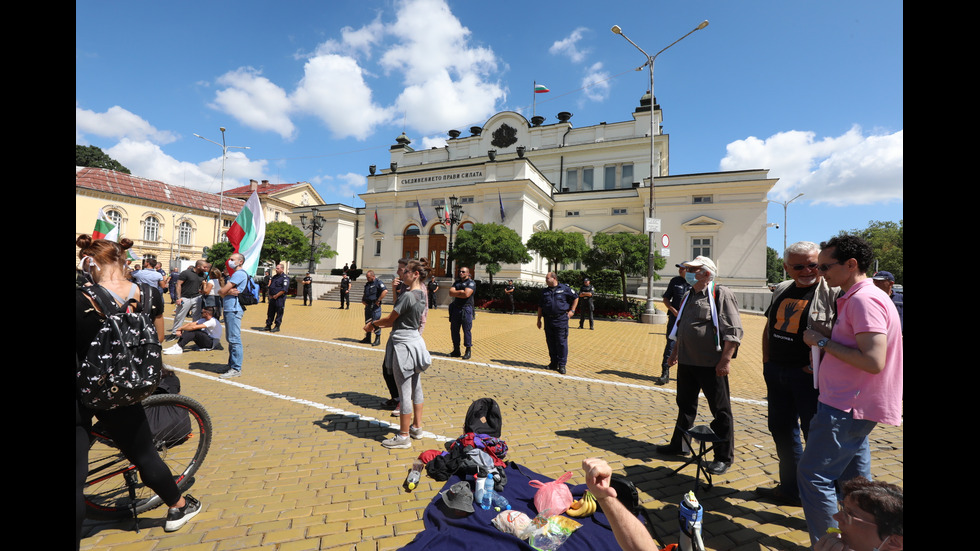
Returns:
(708,331)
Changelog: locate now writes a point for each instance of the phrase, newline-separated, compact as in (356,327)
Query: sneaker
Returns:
(397,411)
(175,349)
(415,433)
(178,517)
(230,373)
(399,441)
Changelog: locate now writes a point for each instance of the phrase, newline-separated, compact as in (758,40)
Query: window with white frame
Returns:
(626,177)
(185,233)
(701,199)
(609,177)
(571,180)
(377,248)
(116,218)
(571,213)
(466,200)
(701,246)
(619,211)
(151,229)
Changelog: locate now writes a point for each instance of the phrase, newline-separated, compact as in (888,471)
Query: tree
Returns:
(887,240)
(626,253)
(91,156)
(774,266)
(218,254)
(284,241)
(558,247)
(490,245)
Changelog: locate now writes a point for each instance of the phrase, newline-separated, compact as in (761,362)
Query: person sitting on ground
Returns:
(205,333)
(871,517)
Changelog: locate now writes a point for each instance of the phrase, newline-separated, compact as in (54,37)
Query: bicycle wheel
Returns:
(182,435)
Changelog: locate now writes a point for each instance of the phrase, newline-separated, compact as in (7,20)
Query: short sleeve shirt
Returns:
(230,303)
(462,285)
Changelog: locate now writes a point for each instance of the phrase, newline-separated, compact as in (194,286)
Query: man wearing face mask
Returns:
(708,332)
(786,362)
(233,311)
(190,300)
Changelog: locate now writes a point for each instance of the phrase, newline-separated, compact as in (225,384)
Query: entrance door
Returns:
(437,253)
(410,242)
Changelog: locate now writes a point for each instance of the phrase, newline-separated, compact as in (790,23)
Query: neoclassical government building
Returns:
(537,175)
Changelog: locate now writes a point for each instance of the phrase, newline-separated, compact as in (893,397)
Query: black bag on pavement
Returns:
(483,417)
(123,364)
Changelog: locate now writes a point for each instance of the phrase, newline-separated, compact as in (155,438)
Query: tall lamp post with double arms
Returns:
(451,215)
(315,225)
(651,315)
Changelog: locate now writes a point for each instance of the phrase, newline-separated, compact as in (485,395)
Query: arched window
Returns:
(412,229)
(115,217)
(185,233)
(151,229)
(466,226)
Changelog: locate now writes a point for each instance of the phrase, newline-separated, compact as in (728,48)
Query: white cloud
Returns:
(569,46)
(595,84)
(117,123)
(255,101)
(147,160)
(343,186)
(851,169)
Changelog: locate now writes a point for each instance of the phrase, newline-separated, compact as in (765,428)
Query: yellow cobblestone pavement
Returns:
(296,462)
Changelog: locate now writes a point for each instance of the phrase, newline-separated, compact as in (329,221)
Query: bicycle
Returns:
(182,434)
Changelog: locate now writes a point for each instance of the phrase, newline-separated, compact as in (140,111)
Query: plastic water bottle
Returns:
(500,502)
(414,475)
(481,480)
(487,502)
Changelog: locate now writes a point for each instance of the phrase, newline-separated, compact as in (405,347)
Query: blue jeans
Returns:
(792,403)
(836,451)
(233,334)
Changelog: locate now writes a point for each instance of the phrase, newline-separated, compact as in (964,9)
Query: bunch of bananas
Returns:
(583,507)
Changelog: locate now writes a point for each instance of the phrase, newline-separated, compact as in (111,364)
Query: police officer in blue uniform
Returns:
(558,302)
(374,293)
(673,296)
(461,312)
(588,307)
(278,286)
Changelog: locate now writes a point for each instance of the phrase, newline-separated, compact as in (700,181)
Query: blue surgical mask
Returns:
(691,278)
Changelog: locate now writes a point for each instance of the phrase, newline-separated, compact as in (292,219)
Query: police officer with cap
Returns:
(374,292)
(558,302)
(588,307)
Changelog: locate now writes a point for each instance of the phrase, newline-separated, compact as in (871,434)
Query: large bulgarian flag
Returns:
(247,234)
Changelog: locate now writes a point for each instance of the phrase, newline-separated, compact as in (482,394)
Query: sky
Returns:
(318,90)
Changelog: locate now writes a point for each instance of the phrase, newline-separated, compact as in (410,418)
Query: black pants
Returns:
(276,309)
(691,380)
(199,337)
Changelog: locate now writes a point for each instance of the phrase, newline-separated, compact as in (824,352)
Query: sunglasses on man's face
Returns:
(799,267)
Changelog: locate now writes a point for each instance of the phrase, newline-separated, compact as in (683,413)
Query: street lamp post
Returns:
(315,225)
(221,195)
(454,217)
(651,315)
(785,205)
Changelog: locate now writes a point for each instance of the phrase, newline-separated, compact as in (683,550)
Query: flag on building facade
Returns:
(377,223)
(247,234)
(104,229)
(499,198)
(421,216)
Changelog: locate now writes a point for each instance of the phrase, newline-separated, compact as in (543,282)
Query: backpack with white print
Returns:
(123,364)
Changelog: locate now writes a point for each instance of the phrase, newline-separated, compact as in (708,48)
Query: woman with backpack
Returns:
(406,356)
(105,264)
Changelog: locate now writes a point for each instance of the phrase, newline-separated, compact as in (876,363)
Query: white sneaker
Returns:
(399,441)
(230,373)
(415,433)
(175,349)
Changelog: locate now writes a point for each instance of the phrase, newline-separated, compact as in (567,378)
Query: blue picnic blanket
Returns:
(475,531)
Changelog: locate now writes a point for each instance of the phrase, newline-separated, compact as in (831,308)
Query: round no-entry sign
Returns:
(664,241)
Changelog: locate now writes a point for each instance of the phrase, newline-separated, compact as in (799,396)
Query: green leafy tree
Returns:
(92,156)
(286,242)
(218,254)
(558,247)
(887,240)
(774,266)
(626,253)
(490,245)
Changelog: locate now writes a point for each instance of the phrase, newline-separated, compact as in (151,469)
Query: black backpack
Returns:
(250,295)
(483,417)
(123,364)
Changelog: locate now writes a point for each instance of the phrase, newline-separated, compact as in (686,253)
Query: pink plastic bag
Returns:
(554,497)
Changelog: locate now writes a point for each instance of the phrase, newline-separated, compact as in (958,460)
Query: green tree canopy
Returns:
(626,253)
(92,156)
(774,265)
(558,247)
(490,245)
(286,242)
(887,240)
(218,254)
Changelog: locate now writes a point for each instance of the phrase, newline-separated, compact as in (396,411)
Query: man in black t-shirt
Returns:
(308,288)
(189,298)
(586,304)
(786,365)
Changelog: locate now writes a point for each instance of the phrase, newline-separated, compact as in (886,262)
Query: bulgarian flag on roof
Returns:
(247,234)
(104,229)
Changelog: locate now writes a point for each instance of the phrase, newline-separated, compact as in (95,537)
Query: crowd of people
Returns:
(832,356)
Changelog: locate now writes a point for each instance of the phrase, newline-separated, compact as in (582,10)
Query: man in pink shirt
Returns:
(860,380)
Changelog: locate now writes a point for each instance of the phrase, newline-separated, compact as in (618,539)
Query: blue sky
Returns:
(318,91)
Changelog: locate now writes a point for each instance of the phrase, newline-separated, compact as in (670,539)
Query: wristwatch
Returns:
(822,342)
